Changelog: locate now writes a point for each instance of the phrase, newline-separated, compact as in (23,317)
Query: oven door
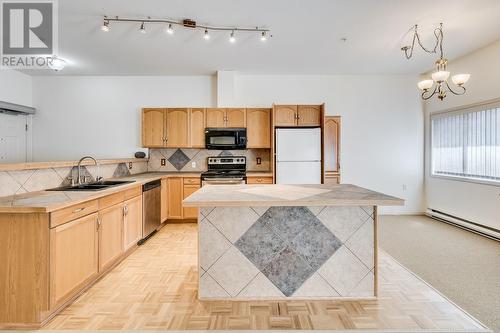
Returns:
(221,138)
(223,181)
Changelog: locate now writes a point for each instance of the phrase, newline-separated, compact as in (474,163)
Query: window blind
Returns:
(466,143)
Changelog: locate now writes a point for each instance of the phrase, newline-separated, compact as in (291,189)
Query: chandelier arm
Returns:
(461,92)
(425,94)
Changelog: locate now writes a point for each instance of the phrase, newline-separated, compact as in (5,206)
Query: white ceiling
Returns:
(307,36)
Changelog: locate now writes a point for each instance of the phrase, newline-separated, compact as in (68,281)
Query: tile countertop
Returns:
(288,195)
(48,201)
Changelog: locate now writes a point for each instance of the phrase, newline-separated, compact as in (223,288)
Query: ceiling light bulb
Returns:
(425,84)
(440,76)
(206,36)
(170,29)
(57,63)
(105,26)
(232,39)
(142,30)
(263,36)
(460,79)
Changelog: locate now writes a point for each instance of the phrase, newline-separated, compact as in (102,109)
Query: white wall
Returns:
(100,116)
(382,125)
(15,87)
(476,202)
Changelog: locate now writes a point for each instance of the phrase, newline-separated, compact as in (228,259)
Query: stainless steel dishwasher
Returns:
(151,209)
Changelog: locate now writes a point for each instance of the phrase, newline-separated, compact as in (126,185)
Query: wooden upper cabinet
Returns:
(110,235)
(197,128)
(235,118)
(73,257)
(177,128)
(216,117)
(309,115)
(153,127)
(331,144)
(132,222)
(258,128)
(285,115)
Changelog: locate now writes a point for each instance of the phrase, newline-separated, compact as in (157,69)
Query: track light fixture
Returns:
(187,24)
(142,29)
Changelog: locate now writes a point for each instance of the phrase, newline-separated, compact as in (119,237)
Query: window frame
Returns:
(482,106)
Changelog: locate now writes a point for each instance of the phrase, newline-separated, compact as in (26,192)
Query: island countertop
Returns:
(288,195)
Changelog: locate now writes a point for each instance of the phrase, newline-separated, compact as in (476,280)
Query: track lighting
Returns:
(206,36)
(105,26)
(263,36)
(142,30)
(232,39)
(170,29)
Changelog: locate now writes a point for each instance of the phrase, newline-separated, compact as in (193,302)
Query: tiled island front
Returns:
(287,241)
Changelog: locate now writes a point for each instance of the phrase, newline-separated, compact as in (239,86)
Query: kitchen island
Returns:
(287,241)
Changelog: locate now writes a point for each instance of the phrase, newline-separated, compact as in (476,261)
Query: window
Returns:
(466,143)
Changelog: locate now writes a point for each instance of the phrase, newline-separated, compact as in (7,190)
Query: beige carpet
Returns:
(463,266)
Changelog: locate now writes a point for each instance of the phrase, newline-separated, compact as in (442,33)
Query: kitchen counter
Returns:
(48,201)
(261,242)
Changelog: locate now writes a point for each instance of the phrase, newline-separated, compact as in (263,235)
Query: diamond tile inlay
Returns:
(287,244)
(178,159)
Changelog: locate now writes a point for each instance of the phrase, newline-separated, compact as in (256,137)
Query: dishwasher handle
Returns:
(151,185)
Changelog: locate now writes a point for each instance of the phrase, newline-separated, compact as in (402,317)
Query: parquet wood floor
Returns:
(156,288)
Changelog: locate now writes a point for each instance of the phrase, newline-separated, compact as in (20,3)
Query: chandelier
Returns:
(439,84)
(262,33)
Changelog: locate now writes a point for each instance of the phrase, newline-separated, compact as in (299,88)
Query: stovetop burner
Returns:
(225,167)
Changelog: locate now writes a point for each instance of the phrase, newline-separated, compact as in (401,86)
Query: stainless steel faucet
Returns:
(79,180)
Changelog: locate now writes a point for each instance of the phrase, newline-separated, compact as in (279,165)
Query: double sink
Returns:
(95,186)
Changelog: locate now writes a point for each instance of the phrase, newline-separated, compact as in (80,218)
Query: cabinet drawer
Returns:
(72,212)
(259,180)
(111,200)
(133,192)
(192,181)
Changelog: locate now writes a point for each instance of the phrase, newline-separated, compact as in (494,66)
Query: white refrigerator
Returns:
(298,156)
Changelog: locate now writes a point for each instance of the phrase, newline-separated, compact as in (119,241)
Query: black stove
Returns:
(225,170)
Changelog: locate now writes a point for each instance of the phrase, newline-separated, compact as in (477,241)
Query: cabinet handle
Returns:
(98,223)
(78,210)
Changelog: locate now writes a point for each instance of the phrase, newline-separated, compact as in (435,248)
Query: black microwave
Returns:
(225,138)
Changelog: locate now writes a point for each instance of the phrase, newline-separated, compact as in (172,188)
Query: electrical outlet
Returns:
(193,164)
(130,165)
(259,160)
(163,162)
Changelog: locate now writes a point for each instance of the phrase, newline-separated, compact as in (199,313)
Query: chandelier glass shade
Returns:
(439,84)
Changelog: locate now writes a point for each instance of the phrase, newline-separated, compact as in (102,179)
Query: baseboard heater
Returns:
(464,224)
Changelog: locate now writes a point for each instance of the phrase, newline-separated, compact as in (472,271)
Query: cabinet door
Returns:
(197,128)
(178,128)
(153,127)
(216,117)
(190,212)
(110,235)
(132,222)
(73,257)
(332,143)
(259,180)
(259,128)
(175,198)
(309,115)
(285,115)
(164,200)
(235,118)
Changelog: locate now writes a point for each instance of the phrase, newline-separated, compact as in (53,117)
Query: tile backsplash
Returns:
(195,160)
(22,181)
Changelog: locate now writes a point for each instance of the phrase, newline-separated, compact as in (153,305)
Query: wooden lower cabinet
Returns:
(132,222)
(190,212)
(259,180)
(110,235)
(73,257)
(175,198)
(164,200)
